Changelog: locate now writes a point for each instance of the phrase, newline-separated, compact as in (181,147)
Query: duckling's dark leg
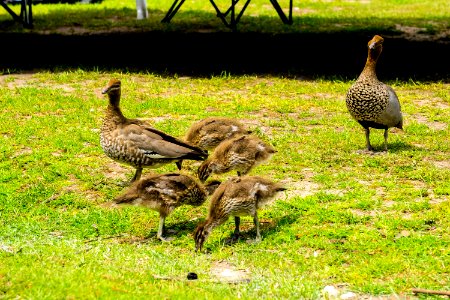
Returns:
(179,163)
(238,174)
(137,175)
(160,233)
(385,139)
(237,221)
(369,147)
(256,222)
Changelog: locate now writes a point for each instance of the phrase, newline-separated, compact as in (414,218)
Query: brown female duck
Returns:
(136,143)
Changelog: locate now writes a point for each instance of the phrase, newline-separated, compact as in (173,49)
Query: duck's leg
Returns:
(179,163)
(237,221)
(137,175)
(256,222)
(369,147)
(160,233)
(385,139)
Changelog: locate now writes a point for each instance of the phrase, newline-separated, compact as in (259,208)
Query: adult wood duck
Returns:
(372,103)
(136,143)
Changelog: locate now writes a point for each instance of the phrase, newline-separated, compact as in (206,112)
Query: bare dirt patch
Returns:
(16,80)
(420,34)
(364,213)
(303,11)
(341,291)
(22,151)
(432,102)
(301,188)
(421,119)
(75,187)
(226,272)
(443,164)
(116,171)
(79,30)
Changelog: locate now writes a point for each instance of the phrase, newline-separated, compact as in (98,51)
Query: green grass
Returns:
(376,224)
(395,17)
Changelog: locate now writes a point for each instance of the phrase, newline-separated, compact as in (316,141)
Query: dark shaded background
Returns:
(340,55)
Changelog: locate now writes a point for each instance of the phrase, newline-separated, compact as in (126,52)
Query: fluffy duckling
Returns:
(136,143)
(237,197)
(210,132)
(372,103)
(165,192)
(240,153)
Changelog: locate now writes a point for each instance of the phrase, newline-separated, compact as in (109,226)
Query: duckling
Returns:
(165,192)
(209,132)
(372,103)
(241,153)
(136,143)
(237,197)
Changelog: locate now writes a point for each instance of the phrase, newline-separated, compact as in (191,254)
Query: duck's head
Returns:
(375,45)
(200,235)
(112,89)
(205,170)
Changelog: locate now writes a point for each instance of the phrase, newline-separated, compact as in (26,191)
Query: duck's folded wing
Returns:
(392,115)
(158,144)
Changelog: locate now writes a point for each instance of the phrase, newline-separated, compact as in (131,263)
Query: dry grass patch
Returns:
(228,273)
(421,119)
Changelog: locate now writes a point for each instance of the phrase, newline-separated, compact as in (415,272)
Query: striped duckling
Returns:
(210,132)
(165,192)
(372,103)
(237,197)
(241,153)
(136,143)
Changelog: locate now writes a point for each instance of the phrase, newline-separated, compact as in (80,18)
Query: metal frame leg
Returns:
(234,19)
(172,11)
(285,19)
(232,11)
(25,17)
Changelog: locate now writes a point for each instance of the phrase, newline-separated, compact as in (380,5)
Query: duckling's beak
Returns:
(105,91)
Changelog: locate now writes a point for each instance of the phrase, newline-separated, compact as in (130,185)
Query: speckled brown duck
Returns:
(165,192)
(241,196)
(208,133)
(136,143)
(241,154)
(372,103)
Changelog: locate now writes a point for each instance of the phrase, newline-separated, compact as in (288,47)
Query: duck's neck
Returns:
(369,72)
(209,225)
(113,112)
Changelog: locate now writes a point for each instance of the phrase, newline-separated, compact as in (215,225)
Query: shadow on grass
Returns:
(182,228)
(400,146)
(393,147)
(271,228)
(172,230)
(267,228)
